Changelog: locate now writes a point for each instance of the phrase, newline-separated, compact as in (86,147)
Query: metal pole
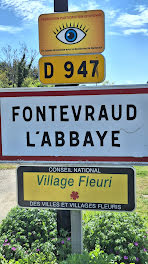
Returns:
(60,5)
(70,221)
(76,232)
(63,216)
(63,221)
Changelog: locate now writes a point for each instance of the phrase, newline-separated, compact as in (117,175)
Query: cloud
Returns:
(114,33)
(140,8)
(135,31)
(130,20)
(84,5)
(28,9)
(111,13)
(73,7)
(91,5)
(10,29)
(133,23)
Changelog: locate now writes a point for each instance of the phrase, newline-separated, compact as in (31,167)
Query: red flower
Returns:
(74,195)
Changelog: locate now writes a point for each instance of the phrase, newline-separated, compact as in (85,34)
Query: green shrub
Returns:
(31,259)
(63,245)
(29,236)
(94,257)
(26,232)
(122,234)
(77,259)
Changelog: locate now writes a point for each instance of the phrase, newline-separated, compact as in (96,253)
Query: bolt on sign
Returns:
(93,188)
(72,69)
(71,32)
(106,125)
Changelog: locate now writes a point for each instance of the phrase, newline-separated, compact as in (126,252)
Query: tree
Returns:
(3,79)
(31,82)
(17,65)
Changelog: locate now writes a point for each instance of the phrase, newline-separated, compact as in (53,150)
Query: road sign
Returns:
(92,188)
(103,124)
(71,33)
(72,69)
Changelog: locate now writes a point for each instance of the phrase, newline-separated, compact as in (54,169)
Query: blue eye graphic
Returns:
(71,34)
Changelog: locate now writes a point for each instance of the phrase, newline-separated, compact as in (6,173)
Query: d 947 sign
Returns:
(72,69)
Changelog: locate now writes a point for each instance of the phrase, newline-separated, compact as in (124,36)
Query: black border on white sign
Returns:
(77,205)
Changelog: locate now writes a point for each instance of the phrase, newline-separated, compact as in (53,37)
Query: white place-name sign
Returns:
(76,125)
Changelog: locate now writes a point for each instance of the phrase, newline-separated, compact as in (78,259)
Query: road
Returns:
(7,191)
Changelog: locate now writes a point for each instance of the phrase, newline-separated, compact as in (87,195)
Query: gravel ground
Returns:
(7,191)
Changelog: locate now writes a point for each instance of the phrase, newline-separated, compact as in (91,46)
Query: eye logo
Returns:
(71,34)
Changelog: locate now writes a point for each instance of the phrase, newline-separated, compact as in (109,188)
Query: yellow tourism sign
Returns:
(69,69)
(92,188)
(69,187)
(71,33)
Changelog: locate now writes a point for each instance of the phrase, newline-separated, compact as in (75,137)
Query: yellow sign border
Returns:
(85,23)
(68,69)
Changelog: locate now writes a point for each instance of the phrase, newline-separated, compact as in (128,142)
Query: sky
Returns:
(126,32)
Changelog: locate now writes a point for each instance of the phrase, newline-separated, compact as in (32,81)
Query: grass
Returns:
(142,191)
(7,166)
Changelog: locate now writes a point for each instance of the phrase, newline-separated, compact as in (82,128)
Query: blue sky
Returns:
(126,32)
